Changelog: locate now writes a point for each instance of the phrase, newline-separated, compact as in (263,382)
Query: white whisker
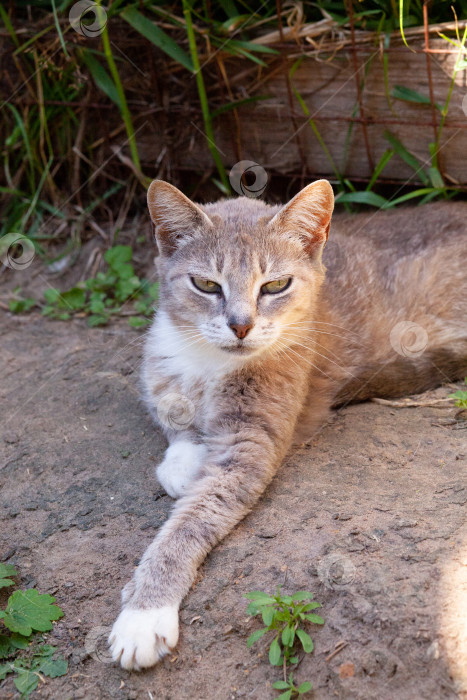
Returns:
(284,352)
(194,338)
(307,326)
(322,323)
(309,362)
(312,340)
(320,354)
(140,339)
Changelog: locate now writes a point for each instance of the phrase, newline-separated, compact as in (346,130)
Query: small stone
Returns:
(433,651)
(403,522)
(266,534)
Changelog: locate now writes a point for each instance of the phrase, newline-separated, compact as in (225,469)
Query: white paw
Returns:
(140,638)
(182,463)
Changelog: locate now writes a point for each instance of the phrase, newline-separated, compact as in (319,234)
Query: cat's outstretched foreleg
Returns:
(231,483)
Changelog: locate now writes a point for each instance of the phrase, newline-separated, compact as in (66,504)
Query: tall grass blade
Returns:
(101,77)
(370,198)
(412,195)
(407,157)
(125,112)
(436,177)
(156,36)
(8,25)
(59,31)
(400,92)
(383,161)
(203,96)
(37,193)
(27,144)
(401,22)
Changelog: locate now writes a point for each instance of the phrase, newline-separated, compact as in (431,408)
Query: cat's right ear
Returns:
(308,217)
(175,217)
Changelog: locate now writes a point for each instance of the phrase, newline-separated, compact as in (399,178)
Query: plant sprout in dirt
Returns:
(285,616)
(460,397)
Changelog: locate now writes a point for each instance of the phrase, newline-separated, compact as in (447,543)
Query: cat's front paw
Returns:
(182,463)
(140,638)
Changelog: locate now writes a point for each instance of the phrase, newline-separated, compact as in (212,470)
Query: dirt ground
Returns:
(369,517)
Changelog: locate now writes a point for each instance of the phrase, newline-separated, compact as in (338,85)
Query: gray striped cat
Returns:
(253,344)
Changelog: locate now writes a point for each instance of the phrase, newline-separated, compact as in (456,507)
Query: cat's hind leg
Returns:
(180,467)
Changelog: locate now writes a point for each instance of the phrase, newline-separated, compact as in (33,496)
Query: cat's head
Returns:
(239,273)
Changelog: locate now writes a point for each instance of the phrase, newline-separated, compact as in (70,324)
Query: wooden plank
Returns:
(266,134)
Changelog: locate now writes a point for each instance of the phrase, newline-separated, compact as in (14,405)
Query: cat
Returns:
(253,344)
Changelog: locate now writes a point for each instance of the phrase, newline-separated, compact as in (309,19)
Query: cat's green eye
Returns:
(207,286)
(276,286)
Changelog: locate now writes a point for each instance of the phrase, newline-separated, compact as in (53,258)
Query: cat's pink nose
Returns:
(241,330)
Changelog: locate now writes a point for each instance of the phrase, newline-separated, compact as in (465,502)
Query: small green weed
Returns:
(103,296)
(26,613)
(100,297)
(285,615)
(20,305)
(460,396)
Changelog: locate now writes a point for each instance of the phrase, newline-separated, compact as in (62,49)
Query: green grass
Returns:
(285,616)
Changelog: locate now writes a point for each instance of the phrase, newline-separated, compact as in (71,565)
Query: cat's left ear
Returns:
(308,216)
(175,217)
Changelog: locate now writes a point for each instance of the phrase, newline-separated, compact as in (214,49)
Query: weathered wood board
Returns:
(266,133)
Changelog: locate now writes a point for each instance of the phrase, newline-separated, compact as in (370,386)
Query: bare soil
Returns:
(369,517)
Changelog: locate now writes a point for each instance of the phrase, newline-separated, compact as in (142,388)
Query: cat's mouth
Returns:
(238,349)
